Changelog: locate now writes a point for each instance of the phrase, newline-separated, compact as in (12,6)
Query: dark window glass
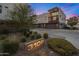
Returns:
(0,9)
(6,7)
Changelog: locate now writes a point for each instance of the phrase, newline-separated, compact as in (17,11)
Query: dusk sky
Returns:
(70,9)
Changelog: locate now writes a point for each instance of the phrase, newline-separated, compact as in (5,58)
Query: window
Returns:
(54,18)
(0,9)
(6,7)
(55,13)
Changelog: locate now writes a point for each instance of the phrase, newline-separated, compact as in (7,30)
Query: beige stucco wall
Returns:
(5,11)
(43,18)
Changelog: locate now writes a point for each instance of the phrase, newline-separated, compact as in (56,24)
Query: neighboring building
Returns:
(4,10)
(55,18)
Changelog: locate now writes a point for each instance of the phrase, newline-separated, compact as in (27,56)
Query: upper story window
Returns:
(0,9)
(54,18)
(55,13)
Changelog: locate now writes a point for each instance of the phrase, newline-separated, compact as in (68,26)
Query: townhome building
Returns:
(54,18)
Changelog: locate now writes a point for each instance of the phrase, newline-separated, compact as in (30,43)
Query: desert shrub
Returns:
(10,47)
(45,35)
(62,46)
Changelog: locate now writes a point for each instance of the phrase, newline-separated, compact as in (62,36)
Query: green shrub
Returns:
(61,46)
(45,35)
(30,32)
(24,32)
(38,36)
(35,35)
(10,47)
(23,39)
(27,34)
(2,37)
(1,50)
(32,36)
(5,31)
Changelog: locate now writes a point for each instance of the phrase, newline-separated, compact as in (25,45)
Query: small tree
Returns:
(72,21)
(45,35)
(23,15)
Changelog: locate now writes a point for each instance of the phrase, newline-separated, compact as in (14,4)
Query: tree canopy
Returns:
(72,21)
(23,15)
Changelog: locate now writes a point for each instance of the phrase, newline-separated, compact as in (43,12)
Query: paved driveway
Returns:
(70,35)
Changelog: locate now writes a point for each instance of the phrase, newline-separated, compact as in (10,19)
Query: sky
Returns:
(70,9)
